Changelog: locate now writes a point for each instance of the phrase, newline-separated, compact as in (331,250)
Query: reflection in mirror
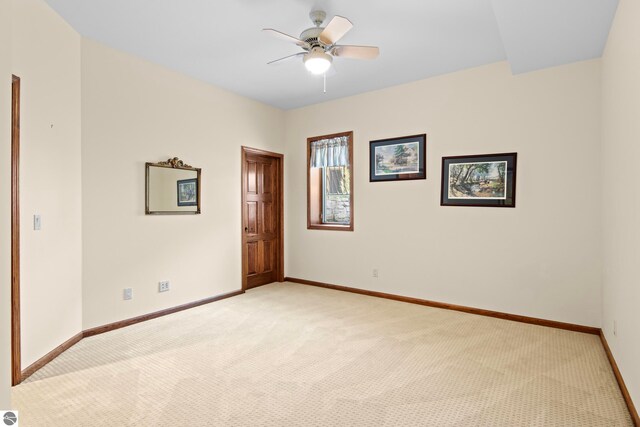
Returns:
(172,188)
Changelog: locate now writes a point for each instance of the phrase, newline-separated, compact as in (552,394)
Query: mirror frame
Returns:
(174,163)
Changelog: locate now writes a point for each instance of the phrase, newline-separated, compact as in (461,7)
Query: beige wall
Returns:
(540,259)
(5,203)
(46,56)
(135,112)
(621,195)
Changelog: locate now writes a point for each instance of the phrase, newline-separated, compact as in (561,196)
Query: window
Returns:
(329,182)
(336,195)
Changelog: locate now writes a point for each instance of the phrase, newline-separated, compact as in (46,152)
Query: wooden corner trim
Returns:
(623,387)
(472,310)
(31,369)
(132,321)
(38,364)
(16,366)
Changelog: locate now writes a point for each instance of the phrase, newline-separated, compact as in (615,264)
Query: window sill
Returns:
(332,227)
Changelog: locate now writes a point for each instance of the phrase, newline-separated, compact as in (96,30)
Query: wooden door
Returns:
(261,218)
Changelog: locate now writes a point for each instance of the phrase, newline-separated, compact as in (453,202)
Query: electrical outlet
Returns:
(127,294)
(615,328)
(375,273)
(163,286)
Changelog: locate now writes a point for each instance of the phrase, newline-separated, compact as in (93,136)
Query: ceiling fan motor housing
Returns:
(311,36)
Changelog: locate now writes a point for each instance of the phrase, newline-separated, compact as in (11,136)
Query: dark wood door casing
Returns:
(262,218)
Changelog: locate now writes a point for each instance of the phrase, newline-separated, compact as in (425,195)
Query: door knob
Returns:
(246,229)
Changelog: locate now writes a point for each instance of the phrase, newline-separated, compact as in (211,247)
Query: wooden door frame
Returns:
(16,365)
(280,186)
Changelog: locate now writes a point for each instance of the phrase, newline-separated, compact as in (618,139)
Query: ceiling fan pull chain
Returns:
(324,76)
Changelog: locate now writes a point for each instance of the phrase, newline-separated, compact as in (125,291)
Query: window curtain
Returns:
(330,152)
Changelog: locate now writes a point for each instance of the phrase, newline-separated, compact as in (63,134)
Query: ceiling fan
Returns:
(320,43)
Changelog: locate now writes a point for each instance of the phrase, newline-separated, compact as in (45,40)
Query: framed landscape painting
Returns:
(188,192)
(398,158)
(480,180)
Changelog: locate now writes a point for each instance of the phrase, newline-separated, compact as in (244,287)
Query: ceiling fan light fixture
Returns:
(317,61)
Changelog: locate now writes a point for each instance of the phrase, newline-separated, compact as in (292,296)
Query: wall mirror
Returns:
(172,188)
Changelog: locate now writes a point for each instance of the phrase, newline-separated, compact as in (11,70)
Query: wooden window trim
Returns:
(311,225)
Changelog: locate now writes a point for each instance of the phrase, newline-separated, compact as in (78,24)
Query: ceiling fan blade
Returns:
(356,52)
(286,57)
(286,37)
(335,30)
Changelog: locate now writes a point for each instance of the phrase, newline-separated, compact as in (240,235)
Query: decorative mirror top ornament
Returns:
(176,163)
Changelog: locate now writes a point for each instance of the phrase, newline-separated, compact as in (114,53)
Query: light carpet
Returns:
(296,355)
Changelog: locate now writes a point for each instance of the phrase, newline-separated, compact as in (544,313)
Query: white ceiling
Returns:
(220,42)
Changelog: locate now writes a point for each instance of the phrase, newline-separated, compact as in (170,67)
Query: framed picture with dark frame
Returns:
(398,159)
(480,180)
(188,192)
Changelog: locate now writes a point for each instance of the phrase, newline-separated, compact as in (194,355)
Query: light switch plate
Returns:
(37,222)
